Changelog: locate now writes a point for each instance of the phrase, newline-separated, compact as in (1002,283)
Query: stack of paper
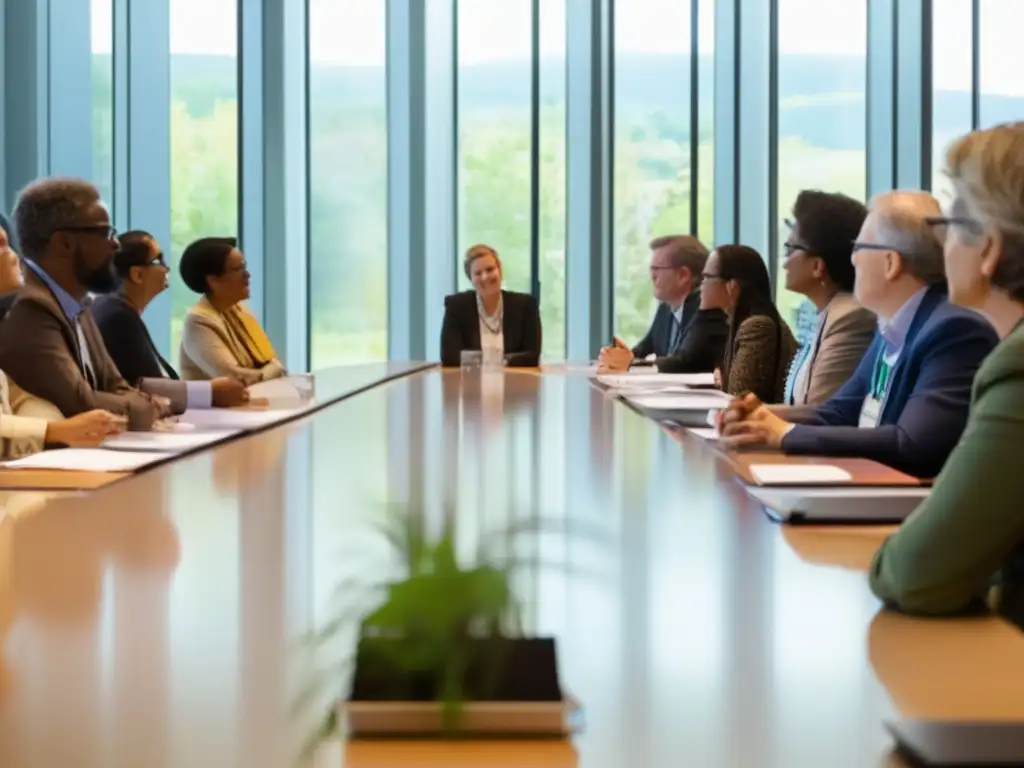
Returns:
(688,409)
(233,418)
(647,379)
(87,460)
(166,442)
(799,474)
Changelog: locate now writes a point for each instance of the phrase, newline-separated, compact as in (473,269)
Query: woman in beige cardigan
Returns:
(221,337)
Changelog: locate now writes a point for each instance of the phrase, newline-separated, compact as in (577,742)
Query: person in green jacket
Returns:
(971,528)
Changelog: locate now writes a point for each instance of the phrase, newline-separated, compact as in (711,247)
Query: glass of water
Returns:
(493,358)
(471,359)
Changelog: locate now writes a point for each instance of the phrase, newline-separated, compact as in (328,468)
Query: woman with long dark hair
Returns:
(760,346)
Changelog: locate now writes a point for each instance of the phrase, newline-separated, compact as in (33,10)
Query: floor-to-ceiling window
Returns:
(348,182)
(495,44)
(653,169)
(551,167)
(952,55)
(204,133)
(1002,89)
(102,34)
(822,87)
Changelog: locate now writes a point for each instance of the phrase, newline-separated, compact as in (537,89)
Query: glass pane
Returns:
(822,116)
(706,122)
(204,133)
(951,83)
(652,147)
(1002,89)
(552,178)
(102,31)
(348,213)
(494,60)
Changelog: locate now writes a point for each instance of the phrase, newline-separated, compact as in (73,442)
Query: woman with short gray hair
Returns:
(971,527)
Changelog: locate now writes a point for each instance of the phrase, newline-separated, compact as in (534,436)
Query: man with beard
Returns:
(49,342)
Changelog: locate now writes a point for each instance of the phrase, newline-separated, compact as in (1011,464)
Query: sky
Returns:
(352,32)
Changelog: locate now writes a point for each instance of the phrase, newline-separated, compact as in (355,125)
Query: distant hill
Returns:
(821,97)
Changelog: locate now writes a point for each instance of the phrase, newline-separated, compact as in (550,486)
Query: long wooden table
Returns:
(158,622)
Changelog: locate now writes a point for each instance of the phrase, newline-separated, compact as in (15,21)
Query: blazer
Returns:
(702,346)
(39,350)
(6,302)
(929,395)
(760,361)
(520,325)
(658,340)
(209,350)
(128,341)
(970,528)
(837,349)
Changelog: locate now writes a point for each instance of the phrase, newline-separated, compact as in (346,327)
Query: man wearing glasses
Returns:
(49,342)
(907,403)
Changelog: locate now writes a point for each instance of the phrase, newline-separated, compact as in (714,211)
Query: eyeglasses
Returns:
(964,222)
(709,276)
(239,268)
(105,230)
(858,246)
(791,248)
(156,261)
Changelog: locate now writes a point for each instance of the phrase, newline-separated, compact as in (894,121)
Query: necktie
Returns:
(673,338)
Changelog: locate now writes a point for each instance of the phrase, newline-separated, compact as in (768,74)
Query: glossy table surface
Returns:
(160,621)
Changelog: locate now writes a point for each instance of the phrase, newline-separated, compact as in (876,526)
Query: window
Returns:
(653,177)
(951,83)
(821,117)
(348,208)
(1002,92)
(495,43)
(551,219)
(102,34)
(204,133)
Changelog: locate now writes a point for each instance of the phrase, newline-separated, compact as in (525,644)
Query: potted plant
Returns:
(441,653)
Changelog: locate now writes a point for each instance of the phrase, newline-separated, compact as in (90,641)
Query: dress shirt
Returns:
(72,308)
(894,331)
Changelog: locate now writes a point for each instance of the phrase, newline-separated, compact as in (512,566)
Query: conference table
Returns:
(164,620)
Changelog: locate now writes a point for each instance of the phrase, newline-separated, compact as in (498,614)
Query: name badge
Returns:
(870,413)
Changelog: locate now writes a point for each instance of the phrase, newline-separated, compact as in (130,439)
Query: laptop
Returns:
(846,504)
(958,744)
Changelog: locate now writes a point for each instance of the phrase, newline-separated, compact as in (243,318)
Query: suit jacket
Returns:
(702,346)
(22,424)
(836,350)
(6,302)
(128,341)
(520,326)
(929,395)
(944,556)
(658,340)
(761,356)
(39,350)
(210,350)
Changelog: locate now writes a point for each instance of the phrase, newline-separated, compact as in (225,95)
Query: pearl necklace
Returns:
(491,322)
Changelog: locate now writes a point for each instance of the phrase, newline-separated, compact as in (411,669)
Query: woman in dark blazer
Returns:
(760,346)
(488,317)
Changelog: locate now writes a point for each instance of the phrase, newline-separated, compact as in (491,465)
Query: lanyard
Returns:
(880,377)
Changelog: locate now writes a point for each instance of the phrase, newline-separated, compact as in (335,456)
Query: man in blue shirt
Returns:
(907,403)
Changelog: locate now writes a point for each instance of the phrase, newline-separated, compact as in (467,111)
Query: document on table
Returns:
(287,389)
(87,460)
(234,418)
(690,401)
(166,442)
(647,379)
(799,474)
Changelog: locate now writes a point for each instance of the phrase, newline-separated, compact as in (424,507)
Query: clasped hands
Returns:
(615,357)
(747,423)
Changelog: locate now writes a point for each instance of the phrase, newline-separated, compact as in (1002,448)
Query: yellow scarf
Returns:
(249,331)
(245,331)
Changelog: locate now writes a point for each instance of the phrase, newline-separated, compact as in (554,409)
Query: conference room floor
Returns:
(161,620)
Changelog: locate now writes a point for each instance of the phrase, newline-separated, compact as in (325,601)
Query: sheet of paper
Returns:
(288,388)
(87,460)
(693,401)
(704,433)
(234,418)
(798,474)
(648,378)
(166,442)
